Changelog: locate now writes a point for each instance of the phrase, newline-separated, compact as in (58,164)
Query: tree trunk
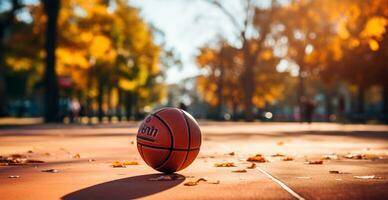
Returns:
(220,88)
(119,105)
(51,8)
(301,91)
(3,92)
(110,112)
(128,105)
(385,99)
(100,100)
(3,86)
(360,99)
(329,106)
(248,85)
(6,21)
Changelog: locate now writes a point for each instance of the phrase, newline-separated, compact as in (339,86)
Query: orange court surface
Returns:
(296,161)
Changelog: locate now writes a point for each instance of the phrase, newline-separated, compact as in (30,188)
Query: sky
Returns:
(188,25)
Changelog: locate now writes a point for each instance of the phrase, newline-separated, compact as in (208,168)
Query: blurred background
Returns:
(92,61)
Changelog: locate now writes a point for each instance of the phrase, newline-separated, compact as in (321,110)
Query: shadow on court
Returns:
(126,188)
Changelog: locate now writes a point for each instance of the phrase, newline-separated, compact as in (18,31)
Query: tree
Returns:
(7,19)
(259,19)
(51,8)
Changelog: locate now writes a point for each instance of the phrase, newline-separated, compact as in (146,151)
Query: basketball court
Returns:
(80,159)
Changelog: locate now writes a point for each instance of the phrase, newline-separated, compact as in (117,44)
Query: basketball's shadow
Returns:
(126,188)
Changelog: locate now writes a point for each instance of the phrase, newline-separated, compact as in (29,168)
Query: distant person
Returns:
(75,108)
(309,107)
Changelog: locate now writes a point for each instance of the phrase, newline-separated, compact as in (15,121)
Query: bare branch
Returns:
(227,13)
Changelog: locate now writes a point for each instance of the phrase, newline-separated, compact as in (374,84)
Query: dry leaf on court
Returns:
(288,158)
(51,170)
(118,164)
(34,161)
(278,155)
(214,182)
(334,172)
(231,153)
(190,183)
(279,143)
(194,183)
(252,166)
(353,156)
(123,164)
(257,158)
(77,156)
(126,163)
(315,162)
(240,171)
(226,164)
(329,157)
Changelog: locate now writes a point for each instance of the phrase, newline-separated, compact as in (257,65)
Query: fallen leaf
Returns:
(288,158)
(118,164)
(279,143)
(252,166)
(15,156)
(367,177)
(126,163)
(231,153)
(51,170)
(14,176)
(91,160)
(257,158)
(329,157)
(30,151)
(194,183)
(315,162)
(34,161)
(214,182)
(353,156)
(132,142)
(227,164)
(334,172)
(47,154)
(191,183)
(77,156)
(240,171)
(278,155)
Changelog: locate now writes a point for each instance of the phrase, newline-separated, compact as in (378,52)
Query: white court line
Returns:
(284,186)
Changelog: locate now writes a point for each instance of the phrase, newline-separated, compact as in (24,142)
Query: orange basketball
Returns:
(169,140)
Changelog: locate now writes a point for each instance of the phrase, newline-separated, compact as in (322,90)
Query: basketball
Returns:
(169,140)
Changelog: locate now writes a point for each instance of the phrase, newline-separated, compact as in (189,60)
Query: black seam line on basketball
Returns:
(145,138)
(166,148)
(171,137)
(188,147)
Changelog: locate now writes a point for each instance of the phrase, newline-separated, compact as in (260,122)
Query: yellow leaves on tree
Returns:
(101,48)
